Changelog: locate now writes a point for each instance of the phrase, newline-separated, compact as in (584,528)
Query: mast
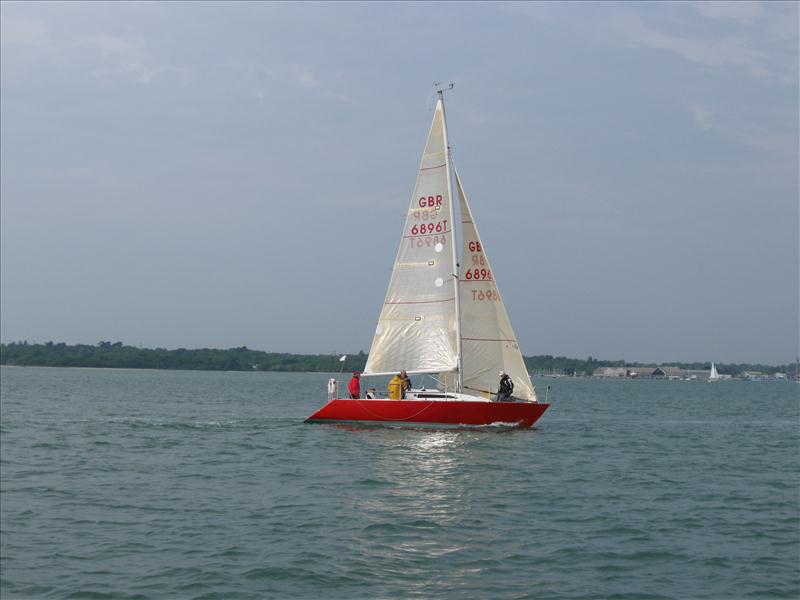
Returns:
(456,285)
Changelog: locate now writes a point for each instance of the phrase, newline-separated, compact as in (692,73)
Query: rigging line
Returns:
(450,171)
(493,393)
(466,387)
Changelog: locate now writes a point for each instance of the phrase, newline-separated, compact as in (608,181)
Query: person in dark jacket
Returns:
(355,385)
(506,388)
(406,382)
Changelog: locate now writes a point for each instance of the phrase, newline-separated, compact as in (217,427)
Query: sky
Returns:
(222,175)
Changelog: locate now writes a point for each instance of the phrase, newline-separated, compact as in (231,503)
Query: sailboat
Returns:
(442,319)
(713,376)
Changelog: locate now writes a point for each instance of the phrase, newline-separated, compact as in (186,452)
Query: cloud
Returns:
(709,52)
(738,128)
(68,173)
(126,53)
(304,77)
(703,117)
(540,11)
(111,53)
(760,38)
(743,12)
(23,30)
(340,96)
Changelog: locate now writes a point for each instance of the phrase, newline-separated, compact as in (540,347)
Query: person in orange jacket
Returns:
(355,385)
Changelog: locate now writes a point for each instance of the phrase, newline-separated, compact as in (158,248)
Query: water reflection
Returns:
(424,506)
(420,495)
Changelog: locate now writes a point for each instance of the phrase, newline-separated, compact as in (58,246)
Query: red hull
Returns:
(440,412)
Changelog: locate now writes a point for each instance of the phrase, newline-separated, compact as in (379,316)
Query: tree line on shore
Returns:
(117,355)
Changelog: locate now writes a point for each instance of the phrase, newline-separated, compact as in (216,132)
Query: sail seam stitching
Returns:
(423,301)
(428,234)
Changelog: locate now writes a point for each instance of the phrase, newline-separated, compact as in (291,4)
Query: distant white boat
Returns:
(713,376)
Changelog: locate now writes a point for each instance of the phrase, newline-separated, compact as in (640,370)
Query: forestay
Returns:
(488,342)
(417,326)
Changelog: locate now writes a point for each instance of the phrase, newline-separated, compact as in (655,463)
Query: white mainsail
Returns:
(488,342)
(713,375)
(417,327)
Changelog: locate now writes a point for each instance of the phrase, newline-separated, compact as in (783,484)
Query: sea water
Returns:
(167,484)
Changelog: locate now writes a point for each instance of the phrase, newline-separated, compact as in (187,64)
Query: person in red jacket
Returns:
(355,385)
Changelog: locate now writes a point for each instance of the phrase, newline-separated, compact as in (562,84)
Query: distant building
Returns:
(753,375)
(699,374)
(610,372)
(631,372)
(668,373)
(655,373)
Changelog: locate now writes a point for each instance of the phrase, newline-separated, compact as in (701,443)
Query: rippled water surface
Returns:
(123,484)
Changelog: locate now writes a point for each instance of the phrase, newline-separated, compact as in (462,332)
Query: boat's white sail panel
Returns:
(713,375)
(417,326)
(488,342)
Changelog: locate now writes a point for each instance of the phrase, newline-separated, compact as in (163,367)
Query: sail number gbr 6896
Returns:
(431,232)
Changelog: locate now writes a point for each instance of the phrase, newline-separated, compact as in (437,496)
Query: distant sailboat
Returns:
(713,376)
(442,318)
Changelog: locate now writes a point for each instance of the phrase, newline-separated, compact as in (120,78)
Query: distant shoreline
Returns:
(347,373)
(116,355)
(5,366)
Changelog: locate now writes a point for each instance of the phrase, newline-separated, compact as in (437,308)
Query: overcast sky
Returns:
(219,174)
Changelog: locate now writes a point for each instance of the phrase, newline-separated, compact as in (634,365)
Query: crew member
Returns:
(506,388)
(406,382)
(355,385)
(398,386)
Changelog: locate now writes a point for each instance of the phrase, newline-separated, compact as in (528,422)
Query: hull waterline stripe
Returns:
(424,424)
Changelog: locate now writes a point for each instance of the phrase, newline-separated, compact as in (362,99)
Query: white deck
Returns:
(436,395)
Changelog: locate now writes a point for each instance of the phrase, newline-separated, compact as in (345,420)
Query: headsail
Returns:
(417,325)
(488,342)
